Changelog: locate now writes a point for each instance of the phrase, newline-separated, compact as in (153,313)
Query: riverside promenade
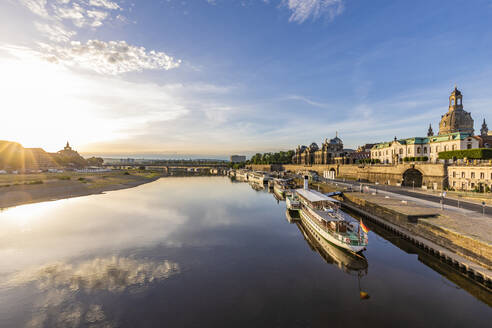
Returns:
(459,236)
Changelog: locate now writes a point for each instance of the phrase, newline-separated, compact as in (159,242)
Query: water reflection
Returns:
(60,288)
(112,261)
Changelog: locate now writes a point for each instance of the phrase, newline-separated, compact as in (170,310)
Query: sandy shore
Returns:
(78,185)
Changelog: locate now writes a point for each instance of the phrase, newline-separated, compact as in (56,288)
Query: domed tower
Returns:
(456,119)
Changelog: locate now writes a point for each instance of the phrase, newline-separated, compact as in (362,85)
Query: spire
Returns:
(484,130)
(430,133)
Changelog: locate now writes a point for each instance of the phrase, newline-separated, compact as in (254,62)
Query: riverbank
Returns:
(19,189)
(460,236)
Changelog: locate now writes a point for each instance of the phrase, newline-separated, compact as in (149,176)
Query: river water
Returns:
(206,252)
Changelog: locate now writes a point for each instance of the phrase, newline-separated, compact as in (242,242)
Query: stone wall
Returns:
(384,174)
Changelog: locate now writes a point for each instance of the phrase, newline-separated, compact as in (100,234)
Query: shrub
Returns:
(476,153)
(65,177)
(126,173)
(81,179)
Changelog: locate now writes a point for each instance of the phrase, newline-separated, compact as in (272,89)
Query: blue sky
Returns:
(211,78)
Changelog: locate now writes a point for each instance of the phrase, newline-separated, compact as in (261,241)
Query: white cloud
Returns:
(55,32)
(82,13)
(305,9)
(97,16)
(113,57)
(105,4)
(38,7)
(76,14)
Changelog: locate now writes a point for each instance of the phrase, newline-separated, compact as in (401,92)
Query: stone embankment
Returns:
(462,238)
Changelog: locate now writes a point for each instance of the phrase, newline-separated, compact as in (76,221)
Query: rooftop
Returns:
(314,196)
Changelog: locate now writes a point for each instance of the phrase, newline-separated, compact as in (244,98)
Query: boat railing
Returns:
(360,241)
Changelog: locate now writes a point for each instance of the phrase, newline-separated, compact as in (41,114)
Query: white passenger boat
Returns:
(292,202)
(259,177)
(323,214)
(281,186)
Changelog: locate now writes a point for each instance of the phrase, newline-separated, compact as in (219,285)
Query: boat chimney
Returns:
(306,184)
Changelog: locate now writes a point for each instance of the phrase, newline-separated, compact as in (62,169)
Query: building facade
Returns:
(237,158)
(455,133)
(330,149)
(470,177)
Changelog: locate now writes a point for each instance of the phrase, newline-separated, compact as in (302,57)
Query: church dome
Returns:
(456,119)
(313,147)
(336,141)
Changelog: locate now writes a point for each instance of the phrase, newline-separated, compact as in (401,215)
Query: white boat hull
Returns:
(329,237)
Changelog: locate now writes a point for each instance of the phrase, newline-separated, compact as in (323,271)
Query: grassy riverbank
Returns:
(18,189)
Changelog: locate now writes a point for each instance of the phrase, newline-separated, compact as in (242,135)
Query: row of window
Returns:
(472,175)
(463,185)
(437,149)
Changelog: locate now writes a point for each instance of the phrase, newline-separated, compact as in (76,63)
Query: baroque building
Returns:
(456,119)
(455,133)
(330,149)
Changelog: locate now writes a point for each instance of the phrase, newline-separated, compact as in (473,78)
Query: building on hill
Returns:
(70,158)
(455,133)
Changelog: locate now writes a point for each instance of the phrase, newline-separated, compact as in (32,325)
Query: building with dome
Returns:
(326,154)
(455,133)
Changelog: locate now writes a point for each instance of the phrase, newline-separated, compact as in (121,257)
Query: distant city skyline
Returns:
(208,79)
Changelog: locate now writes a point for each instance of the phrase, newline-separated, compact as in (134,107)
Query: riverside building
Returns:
(455,133)
(315,155)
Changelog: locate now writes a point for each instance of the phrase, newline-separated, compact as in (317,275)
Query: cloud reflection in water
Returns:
(61,287)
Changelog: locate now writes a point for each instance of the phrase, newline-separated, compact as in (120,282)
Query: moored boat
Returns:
(323,214)
(292,201)
(281,186)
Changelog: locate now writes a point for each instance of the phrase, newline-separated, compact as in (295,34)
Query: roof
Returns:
(314,196)
(425,140)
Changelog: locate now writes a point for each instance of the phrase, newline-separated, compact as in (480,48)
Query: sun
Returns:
(43,104)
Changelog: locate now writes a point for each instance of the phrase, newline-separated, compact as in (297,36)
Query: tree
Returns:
(95,161)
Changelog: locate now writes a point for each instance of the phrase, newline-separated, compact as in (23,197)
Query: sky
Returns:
(211,78)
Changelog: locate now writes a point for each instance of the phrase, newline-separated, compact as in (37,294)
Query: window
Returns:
(454,183)
(472,175)
(418,150)
(454,174)
(482,175)
(401,151)
(454,147)
(463,185)
(425,150)
(469,146)
(462,174)
(437,149)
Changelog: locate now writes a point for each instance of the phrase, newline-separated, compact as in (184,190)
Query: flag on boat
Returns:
(363,226)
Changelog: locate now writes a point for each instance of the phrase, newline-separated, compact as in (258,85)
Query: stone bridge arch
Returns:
(412,177)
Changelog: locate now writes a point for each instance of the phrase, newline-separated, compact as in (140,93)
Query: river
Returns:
(207,252)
